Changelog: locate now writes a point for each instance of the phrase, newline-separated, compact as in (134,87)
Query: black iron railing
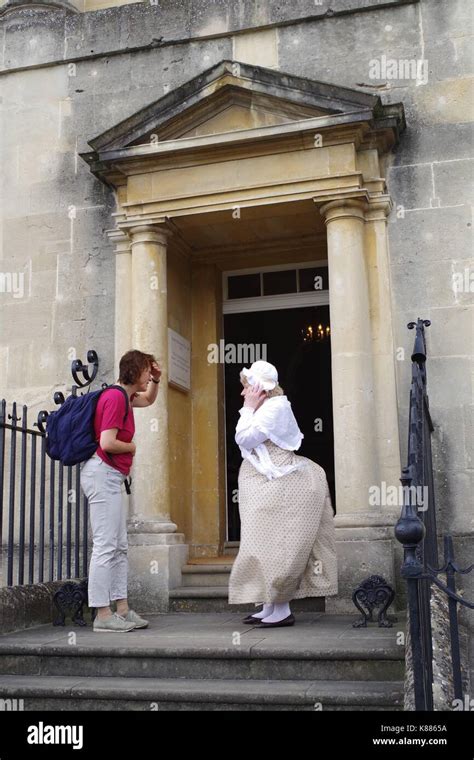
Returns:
(416,530)
(43,512)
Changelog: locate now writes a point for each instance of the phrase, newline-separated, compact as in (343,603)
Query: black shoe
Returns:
(251,620)
(290,620)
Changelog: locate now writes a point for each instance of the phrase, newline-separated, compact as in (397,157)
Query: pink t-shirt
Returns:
(109,414)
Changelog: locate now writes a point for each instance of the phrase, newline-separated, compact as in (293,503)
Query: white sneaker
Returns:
(114,624)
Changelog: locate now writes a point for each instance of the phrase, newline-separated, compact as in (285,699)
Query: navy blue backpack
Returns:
(70,436)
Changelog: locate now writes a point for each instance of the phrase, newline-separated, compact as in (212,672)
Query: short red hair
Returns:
(132,364)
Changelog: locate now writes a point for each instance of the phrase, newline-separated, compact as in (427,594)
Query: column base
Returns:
(363,550)
(156,555)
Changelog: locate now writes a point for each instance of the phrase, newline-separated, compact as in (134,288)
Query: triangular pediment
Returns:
(234,96)
(232,108)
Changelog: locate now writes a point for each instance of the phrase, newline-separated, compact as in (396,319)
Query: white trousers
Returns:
(108,569)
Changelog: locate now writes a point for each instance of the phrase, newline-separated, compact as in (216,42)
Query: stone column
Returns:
(150,334)
(383,350)
(123,296)
(156,551)
(364,533)
(356,463)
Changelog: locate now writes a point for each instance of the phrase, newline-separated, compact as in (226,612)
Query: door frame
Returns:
(296,300)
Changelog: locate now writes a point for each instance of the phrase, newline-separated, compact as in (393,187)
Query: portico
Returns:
(246,167)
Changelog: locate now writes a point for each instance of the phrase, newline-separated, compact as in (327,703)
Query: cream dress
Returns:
(287,546)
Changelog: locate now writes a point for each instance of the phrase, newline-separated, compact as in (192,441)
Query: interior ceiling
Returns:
(256,224)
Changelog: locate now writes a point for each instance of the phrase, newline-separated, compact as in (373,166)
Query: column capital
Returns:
(378,208)
(120,239)
(360,206)
(146,232)
(343,208)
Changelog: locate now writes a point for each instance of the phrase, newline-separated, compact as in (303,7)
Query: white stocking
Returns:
(267,610)
(280,612)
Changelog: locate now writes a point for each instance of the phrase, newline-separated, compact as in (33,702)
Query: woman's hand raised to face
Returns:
(254,396)
(155,371)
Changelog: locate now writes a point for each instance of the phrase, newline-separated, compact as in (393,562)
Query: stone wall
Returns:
(24,607)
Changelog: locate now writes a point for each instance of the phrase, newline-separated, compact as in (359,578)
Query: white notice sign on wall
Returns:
(179,357)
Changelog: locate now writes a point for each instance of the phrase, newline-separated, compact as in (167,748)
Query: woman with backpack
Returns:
(102,478)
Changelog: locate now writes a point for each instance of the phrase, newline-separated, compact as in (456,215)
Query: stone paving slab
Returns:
(201,634)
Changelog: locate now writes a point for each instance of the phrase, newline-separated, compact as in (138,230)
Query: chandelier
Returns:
(316,334)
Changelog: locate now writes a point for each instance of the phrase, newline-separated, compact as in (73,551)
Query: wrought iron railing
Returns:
(43,512)
(416,530)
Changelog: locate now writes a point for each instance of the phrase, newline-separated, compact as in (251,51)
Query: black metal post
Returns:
(31,558)
(52,486)
(3,418)
(77,507)
(42,510)
(11,495)
(68,521)
(453,618)
(21,538)
(410,531)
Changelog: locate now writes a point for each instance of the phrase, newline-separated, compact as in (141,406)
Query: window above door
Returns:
(283,286)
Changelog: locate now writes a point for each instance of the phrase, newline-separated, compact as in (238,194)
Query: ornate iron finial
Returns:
(419,348)
(77,366)
(409,529)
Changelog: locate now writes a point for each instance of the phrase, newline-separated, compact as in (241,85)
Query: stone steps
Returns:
(115,693)
(205,586)
(206,575)
(215,599)
(231,548)
(206,661)
(216,662)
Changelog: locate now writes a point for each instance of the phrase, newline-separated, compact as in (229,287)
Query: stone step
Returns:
(215,664)
(44,693)
(215,599)
(231,548)
(212,647)
(205,661)
(206,575)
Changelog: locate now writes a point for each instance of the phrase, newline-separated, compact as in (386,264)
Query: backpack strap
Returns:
(127,406)
(127,403)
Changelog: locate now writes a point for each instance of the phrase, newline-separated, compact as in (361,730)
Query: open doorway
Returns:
(297,341)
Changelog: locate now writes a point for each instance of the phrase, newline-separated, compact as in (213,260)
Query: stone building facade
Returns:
(150,149)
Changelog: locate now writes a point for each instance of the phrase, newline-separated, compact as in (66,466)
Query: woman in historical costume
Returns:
(287,546)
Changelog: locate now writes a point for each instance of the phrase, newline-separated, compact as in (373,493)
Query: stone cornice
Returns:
(147,29)
(336,128)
